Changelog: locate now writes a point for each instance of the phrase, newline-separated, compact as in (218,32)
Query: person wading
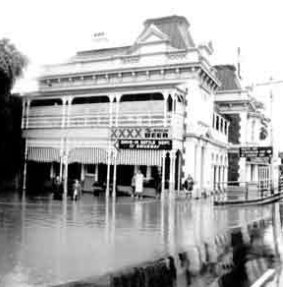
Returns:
(139,184)
(188,186)
(76,190)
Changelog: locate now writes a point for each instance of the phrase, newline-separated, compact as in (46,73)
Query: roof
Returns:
(228,78)
(176,28)
(104,51)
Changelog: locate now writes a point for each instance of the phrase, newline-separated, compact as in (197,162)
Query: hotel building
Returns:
(151,106)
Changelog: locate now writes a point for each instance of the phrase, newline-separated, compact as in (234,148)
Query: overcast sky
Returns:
(51,31)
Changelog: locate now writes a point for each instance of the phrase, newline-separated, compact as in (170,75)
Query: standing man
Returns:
(188,186)
(139,184)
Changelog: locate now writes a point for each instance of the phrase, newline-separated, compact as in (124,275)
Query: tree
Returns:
(12,64)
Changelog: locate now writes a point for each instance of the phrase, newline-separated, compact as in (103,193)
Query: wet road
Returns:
(45,242)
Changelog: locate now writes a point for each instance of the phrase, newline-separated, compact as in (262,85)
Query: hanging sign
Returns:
(259,160)
(163,144)
(253,152)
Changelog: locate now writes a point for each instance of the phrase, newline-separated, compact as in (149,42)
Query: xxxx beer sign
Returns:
(142,138)
(140,133)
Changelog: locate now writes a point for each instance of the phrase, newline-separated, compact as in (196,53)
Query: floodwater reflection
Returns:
(47,242)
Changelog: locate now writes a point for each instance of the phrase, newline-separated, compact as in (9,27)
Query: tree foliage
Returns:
(12,64)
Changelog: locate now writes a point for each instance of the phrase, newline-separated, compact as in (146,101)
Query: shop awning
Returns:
(43,154)
(140,157)
(88,155)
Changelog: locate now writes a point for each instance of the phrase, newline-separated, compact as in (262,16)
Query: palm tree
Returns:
(12,64)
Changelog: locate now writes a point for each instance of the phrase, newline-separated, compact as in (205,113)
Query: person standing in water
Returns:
(139,184)
(76,190)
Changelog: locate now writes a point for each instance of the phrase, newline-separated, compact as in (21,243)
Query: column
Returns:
(223,177)
(179,172)
(111,99)
(165,95)
(66,166)
(67,120)
(96,172)
(172,171)
(219,177)
(212,177)
(163,175)
(196,191)
(118,98)
(65,179)
(114,175)
(25,168)
(63,122)
(108,173)
(216,177)
(206,168)
(61,160)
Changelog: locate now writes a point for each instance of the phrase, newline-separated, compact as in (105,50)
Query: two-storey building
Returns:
(150,105)
(249,128)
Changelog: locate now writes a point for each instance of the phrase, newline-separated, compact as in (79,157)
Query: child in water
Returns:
(76,190)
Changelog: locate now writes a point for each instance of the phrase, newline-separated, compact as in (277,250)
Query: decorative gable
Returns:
(152,35)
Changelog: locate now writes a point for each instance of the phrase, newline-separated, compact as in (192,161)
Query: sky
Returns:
(51,31)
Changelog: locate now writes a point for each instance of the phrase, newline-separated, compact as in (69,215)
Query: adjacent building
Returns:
(249,128)
(151,106)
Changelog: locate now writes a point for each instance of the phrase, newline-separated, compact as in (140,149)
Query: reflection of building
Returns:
(160,89)
(248,127)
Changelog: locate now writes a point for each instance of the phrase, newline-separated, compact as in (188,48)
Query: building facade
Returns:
(107,112)
(249,128)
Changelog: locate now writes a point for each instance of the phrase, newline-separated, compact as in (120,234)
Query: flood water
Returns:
(44,242)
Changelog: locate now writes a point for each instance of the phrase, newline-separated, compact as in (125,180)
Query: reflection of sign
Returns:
(140,133)
(145,144)
(254,152)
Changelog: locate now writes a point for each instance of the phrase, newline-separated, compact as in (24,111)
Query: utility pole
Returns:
(271,139)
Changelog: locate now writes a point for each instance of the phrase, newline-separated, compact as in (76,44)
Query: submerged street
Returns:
(48,242)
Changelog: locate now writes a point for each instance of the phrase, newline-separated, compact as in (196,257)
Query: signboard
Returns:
(254,152)
(145,144)
(259,160)
(140,133)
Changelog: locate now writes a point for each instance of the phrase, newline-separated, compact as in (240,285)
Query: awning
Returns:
(43,154)
(140,157)
(88,155)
